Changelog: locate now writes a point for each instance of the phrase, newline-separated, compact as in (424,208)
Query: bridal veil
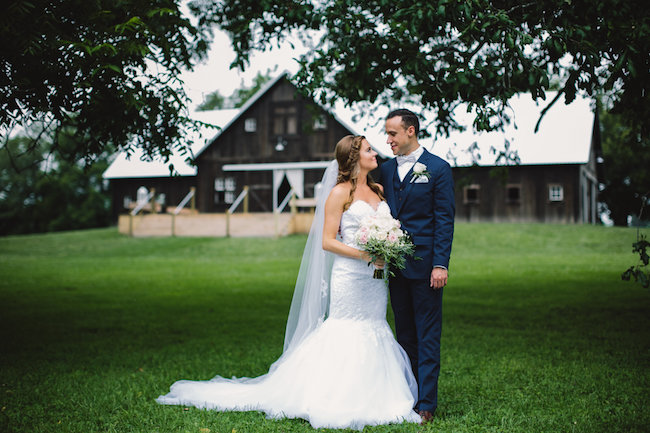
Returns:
(310,302)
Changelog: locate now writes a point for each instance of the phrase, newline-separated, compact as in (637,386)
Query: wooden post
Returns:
(153,200)
(130,224)
(246,200)
(294,213)
(228,223)
(292,205)
(193,199)
(276,223)
(173,224)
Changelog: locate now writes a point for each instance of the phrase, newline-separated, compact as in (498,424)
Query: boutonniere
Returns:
(420,173)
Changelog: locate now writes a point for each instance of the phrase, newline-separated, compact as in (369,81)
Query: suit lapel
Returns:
(389,188)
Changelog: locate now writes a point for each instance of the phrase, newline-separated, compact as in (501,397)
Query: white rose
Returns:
(419,167)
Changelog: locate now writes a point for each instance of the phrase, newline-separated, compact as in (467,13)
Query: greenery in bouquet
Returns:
(381,236)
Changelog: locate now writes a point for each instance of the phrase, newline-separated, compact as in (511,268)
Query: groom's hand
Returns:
(438,278)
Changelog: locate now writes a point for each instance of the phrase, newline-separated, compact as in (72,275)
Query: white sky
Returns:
(215,73)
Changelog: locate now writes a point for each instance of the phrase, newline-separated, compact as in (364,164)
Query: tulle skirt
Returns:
(346,374)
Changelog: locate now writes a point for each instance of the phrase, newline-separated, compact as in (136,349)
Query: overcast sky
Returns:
(215,73)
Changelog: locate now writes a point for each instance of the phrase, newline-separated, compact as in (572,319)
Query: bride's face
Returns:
(367,157)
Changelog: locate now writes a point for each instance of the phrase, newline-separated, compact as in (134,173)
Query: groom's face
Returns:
(401,140)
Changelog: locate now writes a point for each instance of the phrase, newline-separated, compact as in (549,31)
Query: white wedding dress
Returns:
(348,373)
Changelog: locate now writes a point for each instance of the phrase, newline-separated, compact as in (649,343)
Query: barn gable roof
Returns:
(240,111)
(353,124)
(136,166)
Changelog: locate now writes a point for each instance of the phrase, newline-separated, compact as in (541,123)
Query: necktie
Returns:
(405,159)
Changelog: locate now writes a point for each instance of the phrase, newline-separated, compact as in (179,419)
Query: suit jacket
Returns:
(426,208)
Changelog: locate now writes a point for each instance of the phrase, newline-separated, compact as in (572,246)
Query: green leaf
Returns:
(627,274)
(643,279)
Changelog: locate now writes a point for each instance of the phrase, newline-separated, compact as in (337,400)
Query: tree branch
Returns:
(548,107)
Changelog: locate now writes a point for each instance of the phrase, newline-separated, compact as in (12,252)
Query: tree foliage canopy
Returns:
(442,52)
(108,69)
(626,183)
(41,191)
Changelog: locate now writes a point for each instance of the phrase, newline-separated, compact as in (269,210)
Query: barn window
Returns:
(471,194)
(513,193)
(555,192)
(285,120)
(250,125)
(224,190)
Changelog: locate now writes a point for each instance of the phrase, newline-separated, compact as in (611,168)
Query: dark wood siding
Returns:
(533,204)
(301,138)
(174,188)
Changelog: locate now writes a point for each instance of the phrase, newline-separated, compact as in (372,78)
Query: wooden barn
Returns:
(279,142)
(519,175)
(133,177)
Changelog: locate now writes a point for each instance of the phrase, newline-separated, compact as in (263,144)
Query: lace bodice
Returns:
(354,293)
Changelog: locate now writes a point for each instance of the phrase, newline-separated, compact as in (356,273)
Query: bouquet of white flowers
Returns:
(380,236)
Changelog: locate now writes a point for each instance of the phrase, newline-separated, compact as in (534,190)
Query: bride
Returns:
(341,366)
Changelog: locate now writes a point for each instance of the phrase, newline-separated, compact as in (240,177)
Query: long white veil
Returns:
(310,303)
(309,306)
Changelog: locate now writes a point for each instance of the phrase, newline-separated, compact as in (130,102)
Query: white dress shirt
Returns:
(406,163)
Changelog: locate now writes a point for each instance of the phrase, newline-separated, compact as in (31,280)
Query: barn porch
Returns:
(215,224)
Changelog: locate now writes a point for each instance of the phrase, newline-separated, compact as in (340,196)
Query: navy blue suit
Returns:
(426,211)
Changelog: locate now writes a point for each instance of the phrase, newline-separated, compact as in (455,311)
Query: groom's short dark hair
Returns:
(409,118)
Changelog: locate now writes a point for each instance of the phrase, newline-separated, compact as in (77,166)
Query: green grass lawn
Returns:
(539,335)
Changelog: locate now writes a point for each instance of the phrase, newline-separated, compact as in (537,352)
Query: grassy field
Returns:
(539,335)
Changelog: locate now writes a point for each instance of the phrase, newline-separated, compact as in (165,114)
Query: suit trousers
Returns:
(418,325)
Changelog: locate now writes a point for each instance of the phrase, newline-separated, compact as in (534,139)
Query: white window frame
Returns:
(555,192)
(250,124)
(230,184)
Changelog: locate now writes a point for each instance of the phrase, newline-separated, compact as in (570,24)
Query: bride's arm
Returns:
(333,213)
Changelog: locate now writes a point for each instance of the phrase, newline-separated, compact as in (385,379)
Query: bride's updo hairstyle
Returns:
(347,156)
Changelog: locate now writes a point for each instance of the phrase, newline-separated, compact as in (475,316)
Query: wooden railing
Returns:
(190,196)
(243,197)
(140,205)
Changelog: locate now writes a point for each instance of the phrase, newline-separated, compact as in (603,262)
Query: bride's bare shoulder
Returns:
(342,189)
(340,193)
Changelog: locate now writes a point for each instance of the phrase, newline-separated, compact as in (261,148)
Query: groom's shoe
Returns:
(427,416)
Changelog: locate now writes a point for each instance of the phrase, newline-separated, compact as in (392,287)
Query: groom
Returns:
(419,189)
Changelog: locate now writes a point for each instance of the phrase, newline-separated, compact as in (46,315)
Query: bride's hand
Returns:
(379,263)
